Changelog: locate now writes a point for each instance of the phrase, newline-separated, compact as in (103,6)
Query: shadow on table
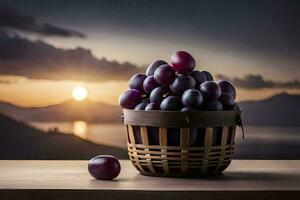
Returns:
(255,176)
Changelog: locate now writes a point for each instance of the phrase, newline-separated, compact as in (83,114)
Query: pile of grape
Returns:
(177,87)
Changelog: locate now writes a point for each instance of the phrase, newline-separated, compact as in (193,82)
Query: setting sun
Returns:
(79,93)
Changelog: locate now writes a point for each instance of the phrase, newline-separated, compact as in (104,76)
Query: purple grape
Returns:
(186,109)
(182,83)
(130,98)
(227,101)
(213,105)
(183,62)
(141,106)
(152,106)
(158,94)
(149,84)
(136,82)
(210,90)
(192,98)
(104,167)
(171,103)
(227,87)
(199,77)
(208,76)
(153,66)
(164,75)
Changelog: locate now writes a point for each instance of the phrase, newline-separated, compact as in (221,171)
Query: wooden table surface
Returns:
(244,179)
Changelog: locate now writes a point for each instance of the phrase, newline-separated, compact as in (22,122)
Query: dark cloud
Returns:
(266,32)
(10,18)
(252,81)
(270,27)
(37,59)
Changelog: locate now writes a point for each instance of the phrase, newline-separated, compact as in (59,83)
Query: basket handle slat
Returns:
(232,141)
(184,143)
(132,140)
(207,144)
(223,145)
(145,141)
(163,141)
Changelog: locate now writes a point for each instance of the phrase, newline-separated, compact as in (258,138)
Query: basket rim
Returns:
(178,119)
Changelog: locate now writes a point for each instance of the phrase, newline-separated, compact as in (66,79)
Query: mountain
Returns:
(280,110)
(71,110)
(20,141)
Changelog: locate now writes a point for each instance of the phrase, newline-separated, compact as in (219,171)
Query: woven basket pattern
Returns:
(180,152)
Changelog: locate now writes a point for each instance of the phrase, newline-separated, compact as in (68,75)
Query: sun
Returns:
(79,93)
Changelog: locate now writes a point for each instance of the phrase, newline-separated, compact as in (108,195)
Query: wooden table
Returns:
(245,179)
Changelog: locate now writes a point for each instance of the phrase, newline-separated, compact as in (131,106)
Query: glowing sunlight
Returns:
(79,93)
(80,128)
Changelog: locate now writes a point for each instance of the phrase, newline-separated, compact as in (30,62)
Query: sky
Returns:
(100,44)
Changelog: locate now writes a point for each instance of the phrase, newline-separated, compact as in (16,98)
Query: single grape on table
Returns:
(104,167)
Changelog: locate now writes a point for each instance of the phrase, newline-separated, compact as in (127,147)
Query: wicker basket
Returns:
(180,144)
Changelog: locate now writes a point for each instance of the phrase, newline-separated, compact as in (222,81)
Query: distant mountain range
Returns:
(68,111)
(20,141)
(280,110)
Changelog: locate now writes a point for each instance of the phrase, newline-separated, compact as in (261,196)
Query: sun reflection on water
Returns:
(80,129)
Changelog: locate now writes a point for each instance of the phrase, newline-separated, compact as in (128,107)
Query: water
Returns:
(259,142)
(269,143)
(107,134)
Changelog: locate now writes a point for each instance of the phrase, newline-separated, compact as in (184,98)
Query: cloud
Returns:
(10,18)
(37,59)
(251,81)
